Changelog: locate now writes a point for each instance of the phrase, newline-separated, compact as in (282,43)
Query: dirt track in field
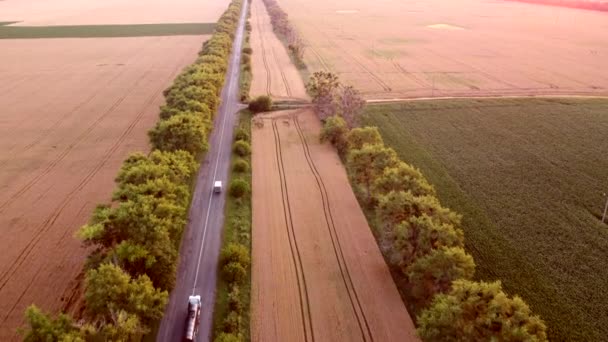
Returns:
(103,12)
(73,109)
(273,72)
(318,274)
(434,48)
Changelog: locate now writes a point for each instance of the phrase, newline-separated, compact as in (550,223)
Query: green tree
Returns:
(240,165)
(234,272)
(109,289)
(479,311)
(177,166)
(242,148)
(403,177)
(322,87)
(360,136)
(122,327)
(420,235)
(398,206)
(435,272)
(261,104)
(235,252)
(227,337)
(239,187)
(180,132)
(368,163)
(41,327)
(335,130)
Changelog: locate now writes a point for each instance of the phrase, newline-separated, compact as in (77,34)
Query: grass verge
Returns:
(237,229)
(104,31)
(528,176)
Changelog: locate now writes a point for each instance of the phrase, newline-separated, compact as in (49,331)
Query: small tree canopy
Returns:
(261,104)
(180,132)
(322,87)
(398,206)
(403,177)
(350,104)
(479,311)
(358,137)
(235,252)
(42,327)
(335,130)
(242,148)
(435,272)
(369,162)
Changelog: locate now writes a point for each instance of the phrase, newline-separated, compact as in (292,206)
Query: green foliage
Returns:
(242,148)
(248,50)
(479,311)
(358,137)
(261,103)
(398,206)
(239,188)
(180,132)
(42,327)
(334,130)
(234,272)
(322,87)
(435,272)
(110,290)
(241,134)
(368,162)
(403,177)
(240,165)
(178,167)
(226,337)
(234,300)
(235,252)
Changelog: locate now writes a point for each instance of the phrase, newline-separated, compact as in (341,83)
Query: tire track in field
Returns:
(47,224)
(355,302)
(318,55)
(293,245)
(285,81)
(261,35)
(407,75)
(65,152)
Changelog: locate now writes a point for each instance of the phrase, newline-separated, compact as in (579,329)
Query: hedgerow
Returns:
(424,245)
(135,239)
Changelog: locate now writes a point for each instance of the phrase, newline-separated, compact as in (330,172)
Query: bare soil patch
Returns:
(388,50)
(73,109)
(91,12)
(273,72)
(317,271)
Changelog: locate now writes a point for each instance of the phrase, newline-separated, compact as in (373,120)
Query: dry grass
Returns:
(528,175)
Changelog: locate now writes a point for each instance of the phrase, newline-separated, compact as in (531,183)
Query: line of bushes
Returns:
(135,239)
(423,242)
(286,32)
(231,314)
(246,72)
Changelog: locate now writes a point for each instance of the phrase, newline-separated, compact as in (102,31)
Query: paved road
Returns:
(199,252)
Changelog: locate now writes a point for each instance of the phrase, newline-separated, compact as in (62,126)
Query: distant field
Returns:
(110,12)
(528,175)
(104,31)
(410,48)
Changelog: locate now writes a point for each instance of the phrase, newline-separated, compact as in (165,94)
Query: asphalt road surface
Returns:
(197,270)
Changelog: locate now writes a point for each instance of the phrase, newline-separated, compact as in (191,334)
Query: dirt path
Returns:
(273,72)
(69,120)
(311,238)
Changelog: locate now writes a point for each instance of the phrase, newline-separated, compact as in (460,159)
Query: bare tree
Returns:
(350,104)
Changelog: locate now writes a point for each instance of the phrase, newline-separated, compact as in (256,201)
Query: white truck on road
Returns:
(217,187)
(194,315)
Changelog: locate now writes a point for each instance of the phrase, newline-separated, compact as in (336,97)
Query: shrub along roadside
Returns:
(231,313)
(246,71)
(424,245)
(286,33)
(135,239)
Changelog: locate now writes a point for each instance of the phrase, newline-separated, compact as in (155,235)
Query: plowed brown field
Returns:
(318,274)
(103,12)
(72,110)
(273,72)
(410,48)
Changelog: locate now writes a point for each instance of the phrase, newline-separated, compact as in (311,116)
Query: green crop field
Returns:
(529,176)
(103,31)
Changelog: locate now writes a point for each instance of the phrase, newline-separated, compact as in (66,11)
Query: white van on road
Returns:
(217,186)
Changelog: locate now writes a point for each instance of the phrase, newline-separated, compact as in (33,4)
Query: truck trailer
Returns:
(194,315)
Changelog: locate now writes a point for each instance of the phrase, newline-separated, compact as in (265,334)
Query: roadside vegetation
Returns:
(135,239)
(422,240)
(104,31)
(231,313)
(529,177)
(246,75)
(286,32)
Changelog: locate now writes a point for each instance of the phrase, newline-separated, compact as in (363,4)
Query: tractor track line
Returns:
(285,82)
(268,78)
(329,219)
(302,287)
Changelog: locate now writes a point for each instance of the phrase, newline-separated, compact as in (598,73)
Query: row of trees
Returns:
(285,30)
(423,239)
(135,239)
(235,259)
(246,75)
